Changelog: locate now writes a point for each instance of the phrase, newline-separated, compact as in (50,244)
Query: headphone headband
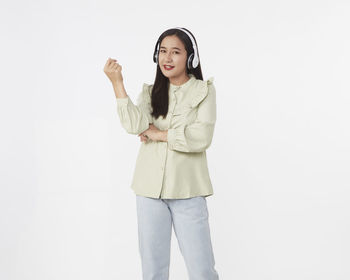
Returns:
(193,59)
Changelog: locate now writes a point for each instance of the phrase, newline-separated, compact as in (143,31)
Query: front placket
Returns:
(173,102)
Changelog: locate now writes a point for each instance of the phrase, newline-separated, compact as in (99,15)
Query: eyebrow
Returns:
(173,48)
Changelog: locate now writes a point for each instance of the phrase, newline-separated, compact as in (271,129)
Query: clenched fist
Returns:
(113,71)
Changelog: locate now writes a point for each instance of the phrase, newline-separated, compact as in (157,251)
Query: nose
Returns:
(168,57)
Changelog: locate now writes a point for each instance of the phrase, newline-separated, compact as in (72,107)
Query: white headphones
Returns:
(193,59)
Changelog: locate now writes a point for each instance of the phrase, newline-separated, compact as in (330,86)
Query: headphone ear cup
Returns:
(195,62)
(189,61)
(155,57)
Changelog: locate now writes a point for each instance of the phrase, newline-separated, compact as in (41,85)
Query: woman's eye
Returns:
(165,51)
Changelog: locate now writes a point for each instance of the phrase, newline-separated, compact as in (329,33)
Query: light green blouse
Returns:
(177,168)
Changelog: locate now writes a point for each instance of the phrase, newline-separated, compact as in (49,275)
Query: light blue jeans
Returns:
(190,219)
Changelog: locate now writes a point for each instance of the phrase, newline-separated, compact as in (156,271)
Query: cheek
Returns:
(181,61)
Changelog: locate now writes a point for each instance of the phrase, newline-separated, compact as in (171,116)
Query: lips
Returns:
(168,67)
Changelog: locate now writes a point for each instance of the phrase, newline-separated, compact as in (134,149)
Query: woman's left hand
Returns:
(152,133)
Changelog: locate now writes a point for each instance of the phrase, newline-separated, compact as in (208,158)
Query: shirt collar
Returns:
(184,85)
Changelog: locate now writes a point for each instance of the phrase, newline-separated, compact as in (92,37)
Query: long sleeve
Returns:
(135,118)
(196,136)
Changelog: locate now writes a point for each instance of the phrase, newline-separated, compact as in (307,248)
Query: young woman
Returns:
(175,119)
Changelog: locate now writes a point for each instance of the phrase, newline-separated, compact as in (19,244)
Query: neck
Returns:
(178,81)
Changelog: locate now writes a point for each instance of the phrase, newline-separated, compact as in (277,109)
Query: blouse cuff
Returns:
(122,101)
(176,137)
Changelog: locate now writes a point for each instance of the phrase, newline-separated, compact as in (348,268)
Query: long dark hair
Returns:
(160,96)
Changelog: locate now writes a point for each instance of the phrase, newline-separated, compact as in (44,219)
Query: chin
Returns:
(170,75)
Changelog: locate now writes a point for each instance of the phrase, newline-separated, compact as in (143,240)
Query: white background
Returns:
(279,159)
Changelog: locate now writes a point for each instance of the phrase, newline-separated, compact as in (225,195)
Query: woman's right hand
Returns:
(143,138)
(113,71)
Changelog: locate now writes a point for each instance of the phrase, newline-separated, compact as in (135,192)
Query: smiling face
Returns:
(172,53)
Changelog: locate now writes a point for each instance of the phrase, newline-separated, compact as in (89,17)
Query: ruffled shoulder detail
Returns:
(210,80)
(147,89)
(145,96)
(144,100)
(201,90)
